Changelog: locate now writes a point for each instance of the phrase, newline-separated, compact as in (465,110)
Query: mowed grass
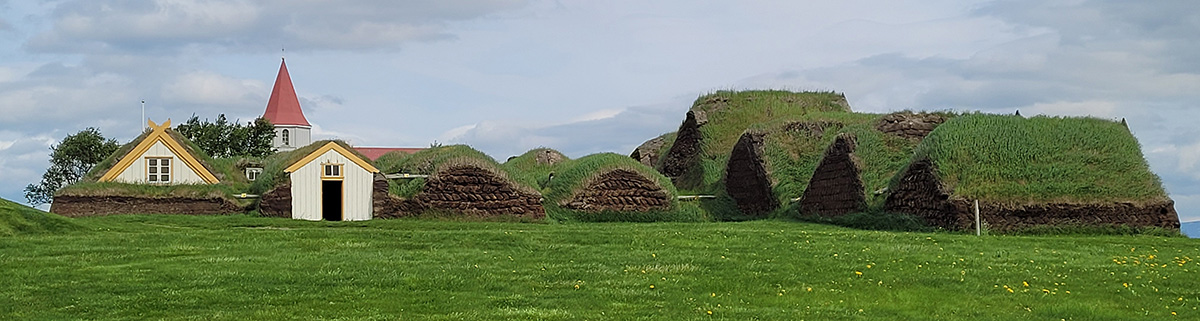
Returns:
(238,267)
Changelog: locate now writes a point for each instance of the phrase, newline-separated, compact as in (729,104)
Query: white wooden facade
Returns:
(179,171)
(159,159)
(308,191)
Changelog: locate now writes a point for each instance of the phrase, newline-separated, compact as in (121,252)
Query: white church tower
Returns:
(291,128)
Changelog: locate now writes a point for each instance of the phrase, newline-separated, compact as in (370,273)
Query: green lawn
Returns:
(248,268)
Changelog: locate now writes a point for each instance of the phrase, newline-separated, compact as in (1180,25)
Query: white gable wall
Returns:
(356,184)
(180,172)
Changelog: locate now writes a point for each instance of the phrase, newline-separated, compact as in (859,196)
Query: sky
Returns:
(583,77)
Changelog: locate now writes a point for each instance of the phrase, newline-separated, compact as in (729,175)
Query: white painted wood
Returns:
(180,172)
(356,188)
(298,136)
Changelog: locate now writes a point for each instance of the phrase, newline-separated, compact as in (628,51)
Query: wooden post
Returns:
(977,225)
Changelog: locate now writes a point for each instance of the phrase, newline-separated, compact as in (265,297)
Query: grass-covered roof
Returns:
(1040,159)
(429,161)
(574,175)
(723,116)
(536,165)
(792,154)
(232,180)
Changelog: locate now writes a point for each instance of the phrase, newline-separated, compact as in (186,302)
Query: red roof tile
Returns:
(284,107)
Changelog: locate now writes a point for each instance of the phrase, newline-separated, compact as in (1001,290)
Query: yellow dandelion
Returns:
(809,289)
(1009,289)
(1125,284)
(709,312)
(714,294)
(1025,283)
(857,273)
(651,286)
(1045,291)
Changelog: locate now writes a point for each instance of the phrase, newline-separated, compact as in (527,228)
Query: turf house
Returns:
(160,171)
(159,159)
(330,183)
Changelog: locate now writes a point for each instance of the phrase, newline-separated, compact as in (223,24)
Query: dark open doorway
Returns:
(331,200)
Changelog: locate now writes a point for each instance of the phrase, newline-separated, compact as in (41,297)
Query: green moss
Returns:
(1040,159)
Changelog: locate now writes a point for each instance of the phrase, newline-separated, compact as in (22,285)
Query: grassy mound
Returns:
(722,117)
(536,165)
(428,161)
(17,219)
(1040,159)
(577,175)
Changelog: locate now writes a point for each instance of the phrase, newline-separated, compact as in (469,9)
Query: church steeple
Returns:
(284,107)
(292,130)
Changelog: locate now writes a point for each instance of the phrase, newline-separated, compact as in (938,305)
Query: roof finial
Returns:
(282,53)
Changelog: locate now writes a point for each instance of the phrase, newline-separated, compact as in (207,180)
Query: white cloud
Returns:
(210,88)
(239,26)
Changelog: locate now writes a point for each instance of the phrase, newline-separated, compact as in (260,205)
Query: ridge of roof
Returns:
(284,107)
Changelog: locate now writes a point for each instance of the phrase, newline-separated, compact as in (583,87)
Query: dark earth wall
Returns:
(76,206)
(920,193)
(620,190)
(836,187)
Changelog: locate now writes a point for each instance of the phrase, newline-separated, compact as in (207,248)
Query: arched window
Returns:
(285,137)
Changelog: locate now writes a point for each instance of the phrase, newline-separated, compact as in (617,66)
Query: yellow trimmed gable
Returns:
(327,147)
(159,134)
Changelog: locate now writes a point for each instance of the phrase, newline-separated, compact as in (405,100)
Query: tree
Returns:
(70,160)
(229,139)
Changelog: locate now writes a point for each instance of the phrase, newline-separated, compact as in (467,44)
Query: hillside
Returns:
(240,268)
(17,219)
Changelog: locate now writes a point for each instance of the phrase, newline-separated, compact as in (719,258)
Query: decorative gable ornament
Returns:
(159,159)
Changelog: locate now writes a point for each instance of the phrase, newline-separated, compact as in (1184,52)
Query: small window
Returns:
(158,170)
(332,170)
(252,173)
(285,137)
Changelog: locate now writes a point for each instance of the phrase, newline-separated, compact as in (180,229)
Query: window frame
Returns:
(338,169)
(158,167)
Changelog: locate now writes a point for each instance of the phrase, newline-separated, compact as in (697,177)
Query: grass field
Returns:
(238,268)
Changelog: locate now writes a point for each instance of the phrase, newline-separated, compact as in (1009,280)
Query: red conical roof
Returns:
(284,107)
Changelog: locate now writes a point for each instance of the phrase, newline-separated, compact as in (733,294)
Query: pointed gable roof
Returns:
(284,107)
(158,133)
(334,146)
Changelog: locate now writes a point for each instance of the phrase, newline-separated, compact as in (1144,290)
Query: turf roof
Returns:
(574,175)
(1040,159)
(725,115)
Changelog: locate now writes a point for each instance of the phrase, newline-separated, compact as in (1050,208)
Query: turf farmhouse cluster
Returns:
(737,155)
(766,154)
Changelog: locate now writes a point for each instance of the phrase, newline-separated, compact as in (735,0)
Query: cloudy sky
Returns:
(581,76)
